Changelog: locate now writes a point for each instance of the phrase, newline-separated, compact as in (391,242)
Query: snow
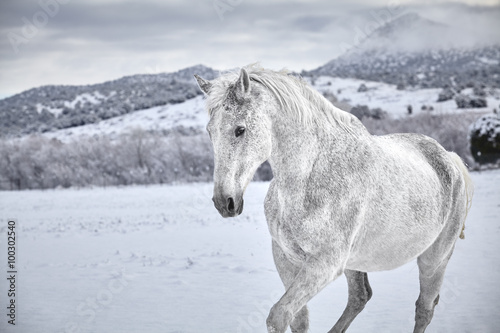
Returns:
(55,111)
(488,61)
(395,102)
(487,125)
(94,98)
(190,114)
(161,259)
(421,76)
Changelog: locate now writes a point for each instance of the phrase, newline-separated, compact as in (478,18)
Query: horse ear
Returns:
(243,83)
(204,85)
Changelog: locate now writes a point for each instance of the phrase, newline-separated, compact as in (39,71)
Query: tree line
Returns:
(135,157)
(144,157)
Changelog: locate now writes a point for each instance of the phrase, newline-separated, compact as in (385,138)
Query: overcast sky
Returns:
(91,41)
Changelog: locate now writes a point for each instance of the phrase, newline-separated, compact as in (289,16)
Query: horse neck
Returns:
(296,147)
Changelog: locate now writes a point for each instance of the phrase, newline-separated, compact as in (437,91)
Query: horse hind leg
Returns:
(431,279)
(360,293)
(432,265)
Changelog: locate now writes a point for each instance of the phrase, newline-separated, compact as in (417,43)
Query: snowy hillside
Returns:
(395,101)
(190,117)
(402,52)
(427,69)
(50,108)
(161,259)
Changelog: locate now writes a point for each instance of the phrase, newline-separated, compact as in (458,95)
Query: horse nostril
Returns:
(230,204)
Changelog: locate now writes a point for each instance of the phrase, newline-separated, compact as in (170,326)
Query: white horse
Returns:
(341,200)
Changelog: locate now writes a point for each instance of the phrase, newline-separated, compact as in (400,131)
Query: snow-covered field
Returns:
(161,259)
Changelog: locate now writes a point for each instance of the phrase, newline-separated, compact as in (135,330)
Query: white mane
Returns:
(295,96)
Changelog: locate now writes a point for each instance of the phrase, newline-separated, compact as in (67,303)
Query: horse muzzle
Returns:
(228,206)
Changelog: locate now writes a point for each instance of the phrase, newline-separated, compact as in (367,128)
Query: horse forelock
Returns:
(296,98)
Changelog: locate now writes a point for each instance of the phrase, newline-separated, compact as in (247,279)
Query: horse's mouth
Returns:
(231,209)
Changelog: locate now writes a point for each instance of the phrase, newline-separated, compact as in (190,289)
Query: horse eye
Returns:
(239,131)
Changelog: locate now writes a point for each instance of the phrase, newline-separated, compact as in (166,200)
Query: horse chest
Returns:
(281,227)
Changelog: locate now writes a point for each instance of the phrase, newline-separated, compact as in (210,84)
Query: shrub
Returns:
(362,88)
(466,102)
(135,157)
(484,136)
(363,111)
(445,95)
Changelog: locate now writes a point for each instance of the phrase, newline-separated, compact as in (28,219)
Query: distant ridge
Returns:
(426,69)
(409,32)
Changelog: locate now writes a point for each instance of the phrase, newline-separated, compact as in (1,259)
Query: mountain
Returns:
(51,108)
(414,51)
(427,69)
(410,51)
(409,32)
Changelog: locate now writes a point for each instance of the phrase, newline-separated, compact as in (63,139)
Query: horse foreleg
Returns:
(287,271)
(313,276)
(360,293)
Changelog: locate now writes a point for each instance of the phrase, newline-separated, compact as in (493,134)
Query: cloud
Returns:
(92,41)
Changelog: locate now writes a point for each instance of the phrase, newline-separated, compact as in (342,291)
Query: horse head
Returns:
(240,132)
